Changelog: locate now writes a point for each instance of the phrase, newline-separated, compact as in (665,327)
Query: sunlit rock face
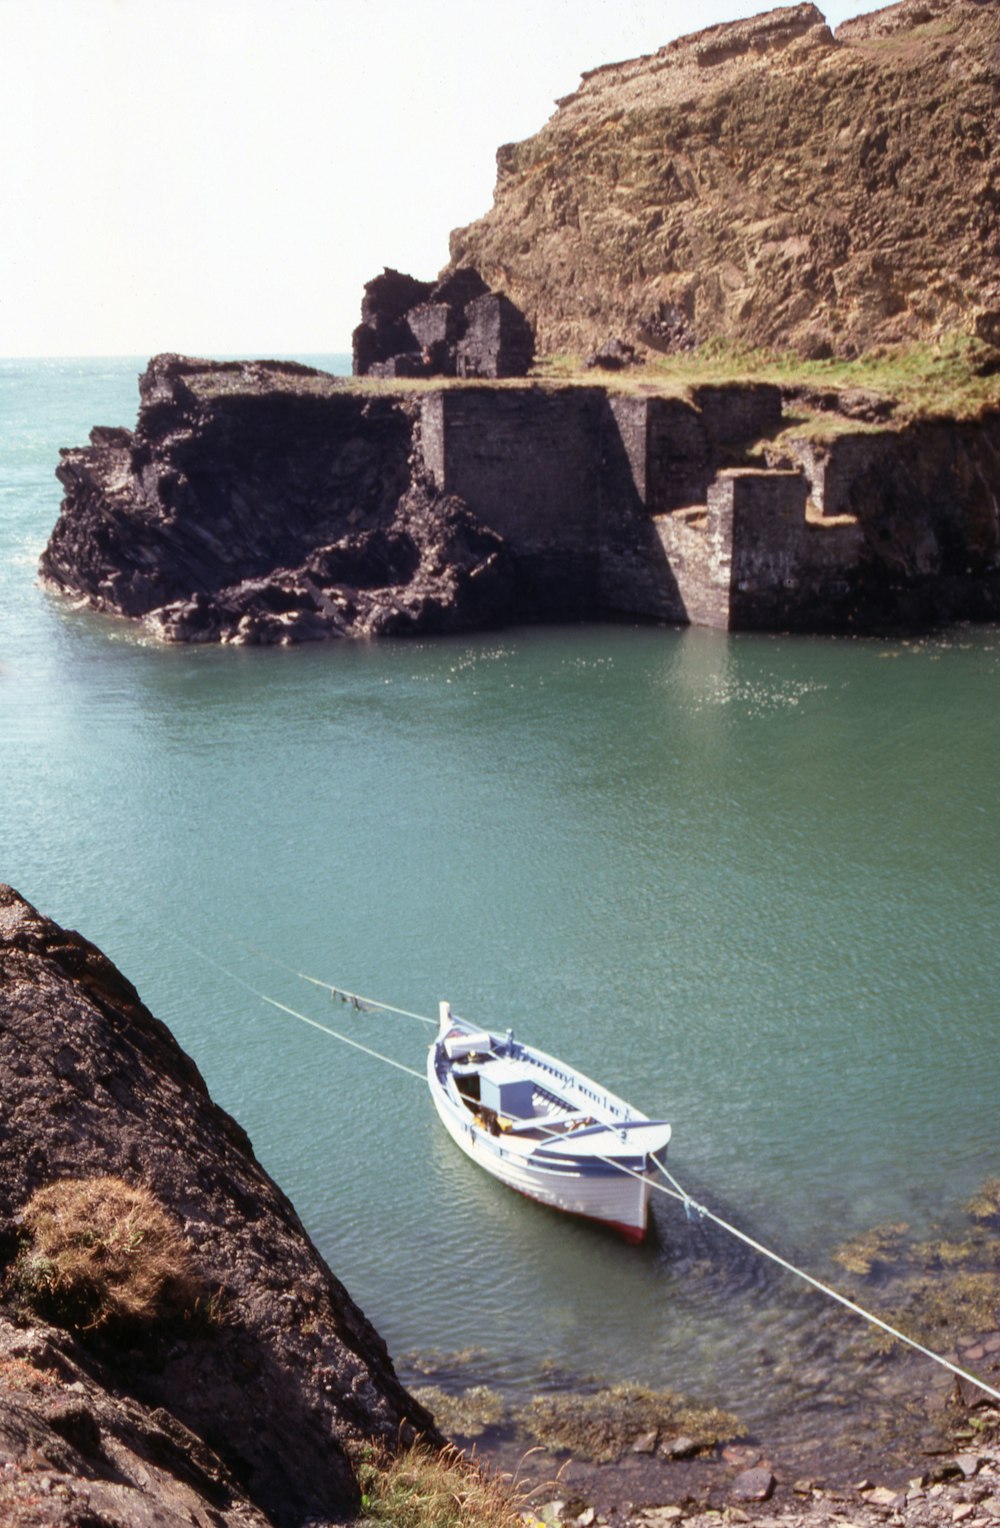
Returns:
(766,183)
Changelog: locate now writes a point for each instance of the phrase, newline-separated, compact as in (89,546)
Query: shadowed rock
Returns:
(266,1393)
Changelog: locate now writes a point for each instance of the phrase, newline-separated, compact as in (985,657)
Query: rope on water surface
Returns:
(363,1004)
(314,1023)
(338,994)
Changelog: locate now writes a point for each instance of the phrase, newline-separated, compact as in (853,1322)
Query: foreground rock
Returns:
(766,183)
(250,1407)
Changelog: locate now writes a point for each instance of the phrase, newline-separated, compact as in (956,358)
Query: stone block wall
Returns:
(770,566)
(753,559)
(625,505)
(525,461)
(734,412)
(697,549)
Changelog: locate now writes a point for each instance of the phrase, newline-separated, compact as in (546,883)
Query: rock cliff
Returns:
(245,1408)
(263,502)
(766,183)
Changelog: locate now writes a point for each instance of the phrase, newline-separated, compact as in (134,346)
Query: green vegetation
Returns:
(950,379)
(603,1425)
(101,1254)
(957,378)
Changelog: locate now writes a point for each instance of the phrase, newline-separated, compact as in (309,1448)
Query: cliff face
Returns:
(248,1415)
(262,502)
(767,183)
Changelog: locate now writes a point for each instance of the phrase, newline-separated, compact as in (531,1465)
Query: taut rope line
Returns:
(676,1191)
(314,1023)
(339,994)
(824,1289)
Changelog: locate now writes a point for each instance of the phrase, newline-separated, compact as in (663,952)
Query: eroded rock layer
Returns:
(767,183)
(255,503)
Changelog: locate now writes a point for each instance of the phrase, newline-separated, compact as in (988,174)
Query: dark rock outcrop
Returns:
(457,328)
(264,502)
(250,1415)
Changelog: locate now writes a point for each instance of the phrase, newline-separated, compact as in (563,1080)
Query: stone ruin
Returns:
(456,327)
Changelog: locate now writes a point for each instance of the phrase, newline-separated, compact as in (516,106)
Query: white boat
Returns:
(543,1128)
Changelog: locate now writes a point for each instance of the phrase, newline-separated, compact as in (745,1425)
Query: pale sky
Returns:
(222,176)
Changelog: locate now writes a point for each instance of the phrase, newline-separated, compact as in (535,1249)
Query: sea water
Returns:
(750,882)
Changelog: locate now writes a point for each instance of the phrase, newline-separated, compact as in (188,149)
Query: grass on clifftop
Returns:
(956,378)
(952,379)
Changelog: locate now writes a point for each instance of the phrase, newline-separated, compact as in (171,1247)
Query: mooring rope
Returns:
(672,1188)
(363,1004)
(339,994)
(295,1014)
(702,1211)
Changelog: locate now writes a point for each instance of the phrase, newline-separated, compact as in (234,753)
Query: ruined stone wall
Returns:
(618,505)
(786,571)
(525,461)
(635,577)
(926,502)
(696,548)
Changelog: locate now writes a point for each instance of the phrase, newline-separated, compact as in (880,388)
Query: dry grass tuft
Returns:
(101,1253)
(425,1488)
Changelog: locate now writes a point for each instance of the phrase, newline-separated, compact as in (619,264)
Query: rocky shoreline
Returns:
(964,1490)
(265,502)
(943,1459)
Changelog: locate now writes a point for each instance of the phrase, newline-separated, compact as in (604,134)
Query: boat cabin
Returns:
(507,1088)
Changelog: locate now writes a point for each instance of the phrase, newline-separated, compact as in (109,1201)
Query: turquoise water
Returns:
(751,882)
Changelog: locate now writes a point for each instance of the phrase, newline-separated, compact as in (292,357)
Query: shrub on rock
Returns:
(101,1253)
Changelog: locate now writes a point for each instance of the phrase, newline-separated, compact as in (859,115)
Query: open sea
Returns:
(750,882)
